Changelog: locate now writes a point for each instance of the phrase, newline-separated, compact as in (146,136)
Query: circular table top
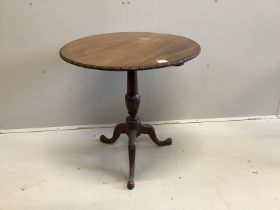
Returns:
(128,51)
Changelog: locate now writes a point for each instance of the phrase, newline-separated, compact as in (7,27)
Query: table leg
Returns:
(131,154)
(148,129)
(119,129)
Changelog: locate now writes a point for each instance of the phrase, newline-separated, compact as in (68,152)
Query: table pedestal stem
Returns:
(133,128)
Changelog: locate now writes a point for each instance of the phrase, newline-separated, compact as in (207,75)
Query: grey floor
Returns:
(211,165)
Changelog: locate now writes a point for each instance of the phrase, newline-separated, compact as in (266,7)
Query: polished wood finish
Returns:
(131,51)
(126,51)
(133,127)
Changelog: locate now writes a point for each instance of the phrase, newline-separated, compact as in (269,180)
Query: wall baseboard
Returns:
(83,127)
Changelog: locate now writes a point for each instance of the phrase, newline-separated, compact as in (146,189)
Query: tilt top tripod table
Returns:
(131,52)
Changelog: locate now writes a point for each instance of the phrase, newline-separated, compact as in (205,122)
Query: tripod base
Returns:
(133,128)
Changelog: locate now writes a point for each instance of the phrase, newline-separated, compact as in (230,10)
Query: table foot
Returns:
(130,185)
(119,129)
(148,129)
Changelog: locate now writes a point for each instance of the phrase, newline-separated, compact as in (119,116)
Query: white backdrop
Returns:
(236,74)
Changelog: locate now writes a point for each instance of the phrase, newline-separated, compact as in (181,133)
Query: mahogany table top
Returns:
(128,51)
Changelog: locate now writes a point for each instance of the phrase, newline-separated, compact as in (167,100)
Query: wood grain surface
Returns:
(125,51)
